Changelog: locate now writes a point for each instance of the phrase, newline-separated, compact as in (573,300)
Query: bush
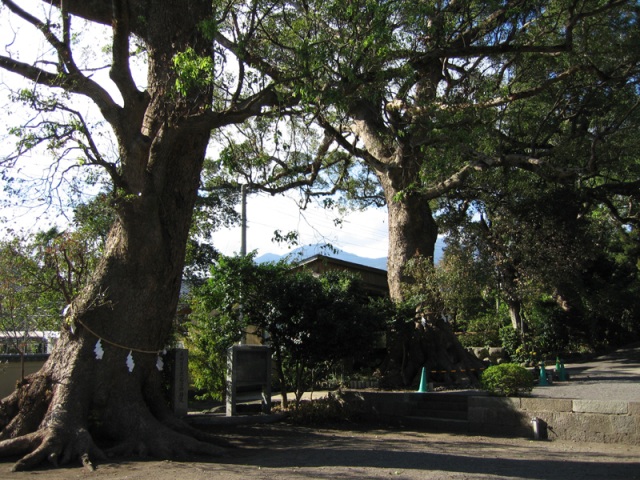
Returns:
(484,328)
(331,410)
(508,380)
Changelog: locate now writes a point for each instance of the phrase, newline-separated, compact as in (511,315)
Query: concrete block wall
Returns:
(566,419)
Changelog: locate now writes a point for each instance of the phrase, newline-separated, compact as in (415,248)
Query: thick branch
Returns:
(620,188)
(250,107)
(62,47)
(120,70)
(482,162)
(351,147)
(101,11)
(73,83)
(369,127)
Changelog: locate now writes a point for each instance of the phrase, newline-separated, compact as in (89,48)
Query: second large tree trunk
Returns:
(412,231)
(425,340)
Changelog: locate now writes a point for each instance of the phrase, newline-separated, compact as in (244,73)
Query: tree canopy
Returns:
(430,98)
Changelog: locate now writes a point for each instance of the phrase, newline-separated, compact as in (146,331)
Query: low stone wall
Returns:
(567,419)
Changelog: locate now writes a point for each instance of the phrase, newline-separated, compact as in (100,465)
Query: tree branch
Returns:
(101,11)
(251,59)
(120,71)
(68,77)
(252,106)
(351,147)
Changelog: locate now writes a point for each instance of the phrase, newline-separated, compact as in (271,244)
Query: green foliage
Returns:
(483,331)
(507,379)
(32,294)
(44,272)
(523,352)
(311,323)
(18,296)
(94,218)
(195,72)
(216,323)
(546,335)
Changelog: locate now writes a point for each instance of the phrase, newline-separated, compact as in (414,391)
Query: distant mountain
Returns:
(307,251)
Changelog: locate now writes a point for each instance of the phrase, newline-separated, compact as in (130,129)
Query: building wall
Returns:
(11,371)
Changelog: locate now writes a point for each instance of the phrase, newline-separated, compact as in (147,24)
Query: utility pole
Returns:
(243,246)
(243,240)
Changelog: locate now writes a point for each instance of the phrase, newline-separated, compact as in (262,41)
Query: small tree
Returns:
(308,321)
(24,308)
(216,323)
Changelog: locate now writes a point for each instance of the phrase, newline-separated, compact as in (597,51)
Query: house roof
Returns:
(373,279)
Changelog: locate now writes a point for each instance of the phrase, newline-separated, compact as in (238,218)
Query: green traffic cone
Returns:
(543,376)
(424,386)
(563,373)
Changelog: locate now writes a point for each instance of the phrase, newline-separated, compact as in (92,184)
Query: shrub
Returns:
(333,409)
(508,380)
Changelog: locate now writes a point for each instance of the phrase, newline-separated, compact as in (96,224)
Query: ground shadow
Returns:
(282,447)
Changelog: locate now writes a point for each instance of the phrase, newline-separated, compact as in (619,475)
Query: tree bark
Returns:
(514,314)
(129,303)
(412,232)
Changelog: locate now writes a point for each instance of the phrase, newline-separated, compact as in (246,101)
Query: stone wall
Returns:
(566,419)
(561,419)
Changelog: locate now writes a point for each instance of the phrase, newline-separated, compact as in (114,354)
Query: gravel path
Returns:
(615,376)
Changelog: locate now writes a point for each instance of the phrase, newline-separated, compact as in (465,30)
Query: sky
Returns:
(362,233)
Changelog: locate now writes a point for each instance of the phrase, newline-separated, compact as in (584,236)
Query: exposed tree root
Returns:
(169,445)
(39,429)
(184,428)
(60,446)
(24,409)
(52,445)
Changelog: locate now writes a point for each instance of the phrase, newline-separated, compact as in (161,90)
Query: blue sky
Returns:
(362,233)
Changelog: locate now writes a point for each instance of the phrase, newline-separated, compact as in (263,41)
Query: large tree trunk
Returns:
(412,232)
(130,302)
(426,340)
(129,307)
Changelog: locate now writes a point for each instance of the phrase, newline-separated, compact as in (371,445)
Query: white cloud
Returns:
(362,233)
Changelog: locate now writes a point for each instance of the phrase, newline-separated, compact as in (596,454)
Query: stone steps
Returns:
(434,424)
(440,412)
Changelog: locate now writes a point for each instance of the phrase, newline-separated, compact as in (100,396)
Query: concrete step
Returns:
(438,405)
(433,424)
(439,413)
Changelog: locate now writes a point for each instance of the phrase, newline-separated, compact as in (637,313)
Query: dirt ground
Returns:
(285,452)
